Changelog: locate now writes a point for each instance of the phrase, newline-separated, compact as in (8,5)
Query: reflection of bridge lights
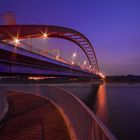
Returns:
(72,63)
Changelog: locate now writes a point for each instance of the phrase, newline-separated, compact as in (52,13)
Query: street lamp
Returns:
(16,41)
(74,55)
(45,35)
(72,63)
(85,62)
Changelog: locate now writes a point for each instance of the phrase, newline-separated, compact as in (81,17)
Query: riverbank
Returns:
(129,79)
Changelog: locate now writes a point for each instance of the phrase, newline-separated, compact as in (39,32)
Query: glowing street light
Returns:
(102,76)
(45,35)
(85,62)
(57,57)
(74,55)
(89,68)
(16,41)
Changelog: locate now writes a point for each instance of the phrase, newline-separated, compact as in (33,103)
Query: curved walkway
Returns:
(31,117)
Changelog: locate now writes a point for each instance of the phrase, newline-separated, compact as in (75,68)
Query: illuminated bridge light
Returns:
(45,35)
(72,63)
(16,41)
(102,76)
(74,55)
(57,57)
(85,62)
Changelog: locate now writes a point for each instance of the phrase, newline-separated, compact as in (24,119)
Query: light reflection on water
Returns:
(101,109)
(118,106)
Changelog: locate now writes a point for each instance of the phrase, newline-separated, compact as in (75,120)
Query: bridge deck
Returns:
(32,117)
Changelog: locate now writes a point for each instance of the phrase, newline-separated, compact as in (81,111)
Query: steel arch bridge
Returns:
(8,32)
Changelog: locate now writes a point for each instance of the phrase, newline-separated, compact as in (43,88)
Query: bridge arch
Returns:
(7,32)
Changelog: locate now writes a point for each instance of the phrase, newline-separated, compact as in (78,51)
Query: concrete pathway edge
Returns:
(66,120)
(4,106)
(62,112)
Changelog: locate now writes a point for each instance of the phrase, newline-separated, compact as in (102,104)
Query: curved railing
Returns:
(86,125)
(84,122)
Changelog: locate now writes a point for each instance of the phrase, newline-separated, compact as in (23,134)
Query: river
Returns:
(118,107)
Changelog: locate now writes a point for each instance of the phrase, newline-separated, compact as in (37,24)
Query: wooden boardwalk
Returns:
(32,118)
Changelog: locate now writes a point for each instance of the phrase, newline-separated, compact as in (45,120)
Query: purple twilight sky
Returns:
(112,26)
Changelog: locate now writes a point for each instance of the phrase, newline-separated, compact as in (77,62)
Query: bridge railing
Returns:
(84,122)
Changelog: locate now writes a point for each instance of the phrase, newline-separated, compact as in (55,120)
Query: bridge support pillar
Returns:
(3,103)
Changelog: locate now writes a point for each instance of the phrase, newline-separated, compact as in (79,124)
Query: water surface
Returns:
(117,105)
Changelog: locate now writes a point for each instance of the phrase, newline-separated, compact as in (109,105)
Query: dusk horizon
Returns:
(69,69)
(112,27)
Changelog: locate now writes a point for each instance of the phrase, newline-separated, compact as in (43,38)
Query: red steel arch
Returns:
(35,31)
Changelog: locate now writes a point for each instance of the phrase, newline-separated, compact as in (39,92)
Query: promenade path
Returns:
(31,117)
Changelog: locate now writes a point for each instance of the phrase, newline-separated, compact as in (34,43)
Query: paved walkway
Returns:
(32,118)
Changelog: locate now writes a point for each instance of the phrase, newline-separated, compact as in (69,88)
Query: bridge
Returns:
(34,50)
(20,56)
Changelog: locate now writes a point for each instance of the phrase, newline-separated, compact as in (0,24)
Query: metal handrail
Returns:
(85,123)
